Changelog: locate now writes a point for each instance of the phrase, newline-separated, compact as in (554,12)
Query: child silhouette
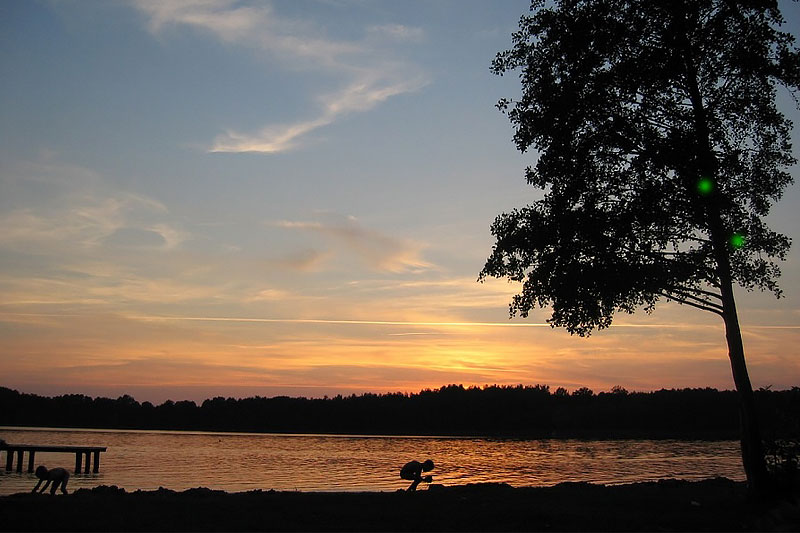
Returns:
(57,476)
(412,470)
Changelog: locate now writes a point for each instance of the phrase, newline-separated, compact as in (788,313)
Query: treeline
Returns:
(531,411)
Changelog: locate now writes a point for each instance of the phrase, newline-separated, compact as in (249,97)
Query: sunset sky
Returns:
(213,197)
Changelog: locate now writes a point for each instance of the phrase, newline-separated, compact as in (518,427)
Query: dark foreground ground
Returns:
(713,505)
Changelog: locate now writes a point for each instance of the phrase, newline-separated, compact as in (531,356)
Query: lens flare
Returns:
(737,240)
(705,186)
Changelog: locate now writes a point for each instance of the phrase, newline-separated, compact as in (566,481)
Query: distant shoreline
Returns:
(494,411)
(574,435)
(712,505)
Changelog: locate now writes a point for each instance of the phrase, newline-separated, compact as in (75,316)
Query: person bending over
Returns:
(412,471)
(56,476)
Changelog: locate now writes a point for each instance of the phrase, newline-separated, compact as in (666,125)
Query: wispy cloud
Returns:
(222,17)
(398,32)
(255,25)
(308,260)
(378,251)
(270,295)
(89,219)
(365,93)
(66,206)
(370,72)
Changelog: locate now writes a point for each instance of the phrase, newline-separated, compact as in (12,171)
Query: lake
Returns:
(246,461)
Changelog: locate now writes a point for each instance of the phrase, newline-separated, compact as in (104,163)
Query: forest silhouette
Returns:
(495,410)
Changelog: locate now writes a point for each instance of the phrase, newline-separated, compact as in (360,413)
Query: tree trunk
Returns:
(752,450)
(706,165)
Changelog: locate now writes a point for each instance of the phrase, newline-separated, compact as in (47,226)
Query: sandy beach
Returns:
(712,505)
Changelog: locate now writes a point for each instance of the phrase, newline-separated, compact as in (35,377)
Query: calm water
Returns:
(239,462)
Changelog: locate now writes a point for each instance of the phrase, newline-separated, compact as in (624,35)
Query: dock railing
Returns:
(79,451)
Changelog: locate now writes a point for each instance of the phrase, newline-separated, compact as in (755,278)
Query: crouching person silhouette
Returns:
(412,470)
(57,476)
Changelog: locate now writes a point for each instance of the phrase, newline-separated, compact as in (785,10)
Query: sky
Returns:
(207,198)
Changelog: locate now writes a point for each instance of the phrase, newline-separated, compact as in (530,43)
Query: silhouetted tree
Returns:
(660,151)
(521,411)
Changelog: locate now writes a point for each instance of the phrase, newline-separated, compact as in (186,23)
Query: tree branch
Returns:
(685,293)
(692,304)
(699,291)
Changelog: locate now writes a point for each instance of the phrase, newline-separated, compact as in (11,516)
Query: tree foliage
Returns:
(657,136)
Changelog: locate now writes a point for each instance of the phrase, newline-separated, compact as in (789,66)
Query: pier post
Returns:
(20,449)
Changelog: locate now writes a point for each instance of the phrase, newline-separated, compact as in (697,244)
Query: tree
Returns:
(660,152)
(619,390)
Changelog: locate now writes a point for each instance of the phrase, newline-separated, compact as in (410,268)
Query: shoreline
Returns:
(674,505)
(614,434)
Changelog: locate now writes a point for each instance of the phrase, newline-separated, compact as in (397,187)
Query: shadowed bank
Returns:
(712,505)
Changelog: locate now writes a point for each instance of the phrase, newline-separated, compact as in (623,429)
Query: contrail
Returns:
(379,322)
(387,322)
(345,322)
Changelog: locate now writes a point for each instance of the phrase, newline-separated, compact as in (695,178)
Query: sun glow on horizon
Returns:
(201,355)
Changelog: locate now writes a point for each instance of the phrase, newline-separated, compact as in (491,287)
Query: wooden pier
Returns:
(79,451)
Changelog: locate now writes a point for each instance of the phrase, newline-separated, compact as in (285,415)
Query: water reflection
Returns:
(239,462)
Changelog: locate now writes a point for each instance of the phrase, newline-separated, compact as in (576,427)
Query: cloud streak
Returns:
(89,219)
(342,322)
(371,75)
(419,323)
(365,93)
(378,251)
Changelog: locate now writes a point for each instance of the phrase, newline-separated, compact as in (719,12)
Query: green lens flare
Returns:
(737,240)
(705,186)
